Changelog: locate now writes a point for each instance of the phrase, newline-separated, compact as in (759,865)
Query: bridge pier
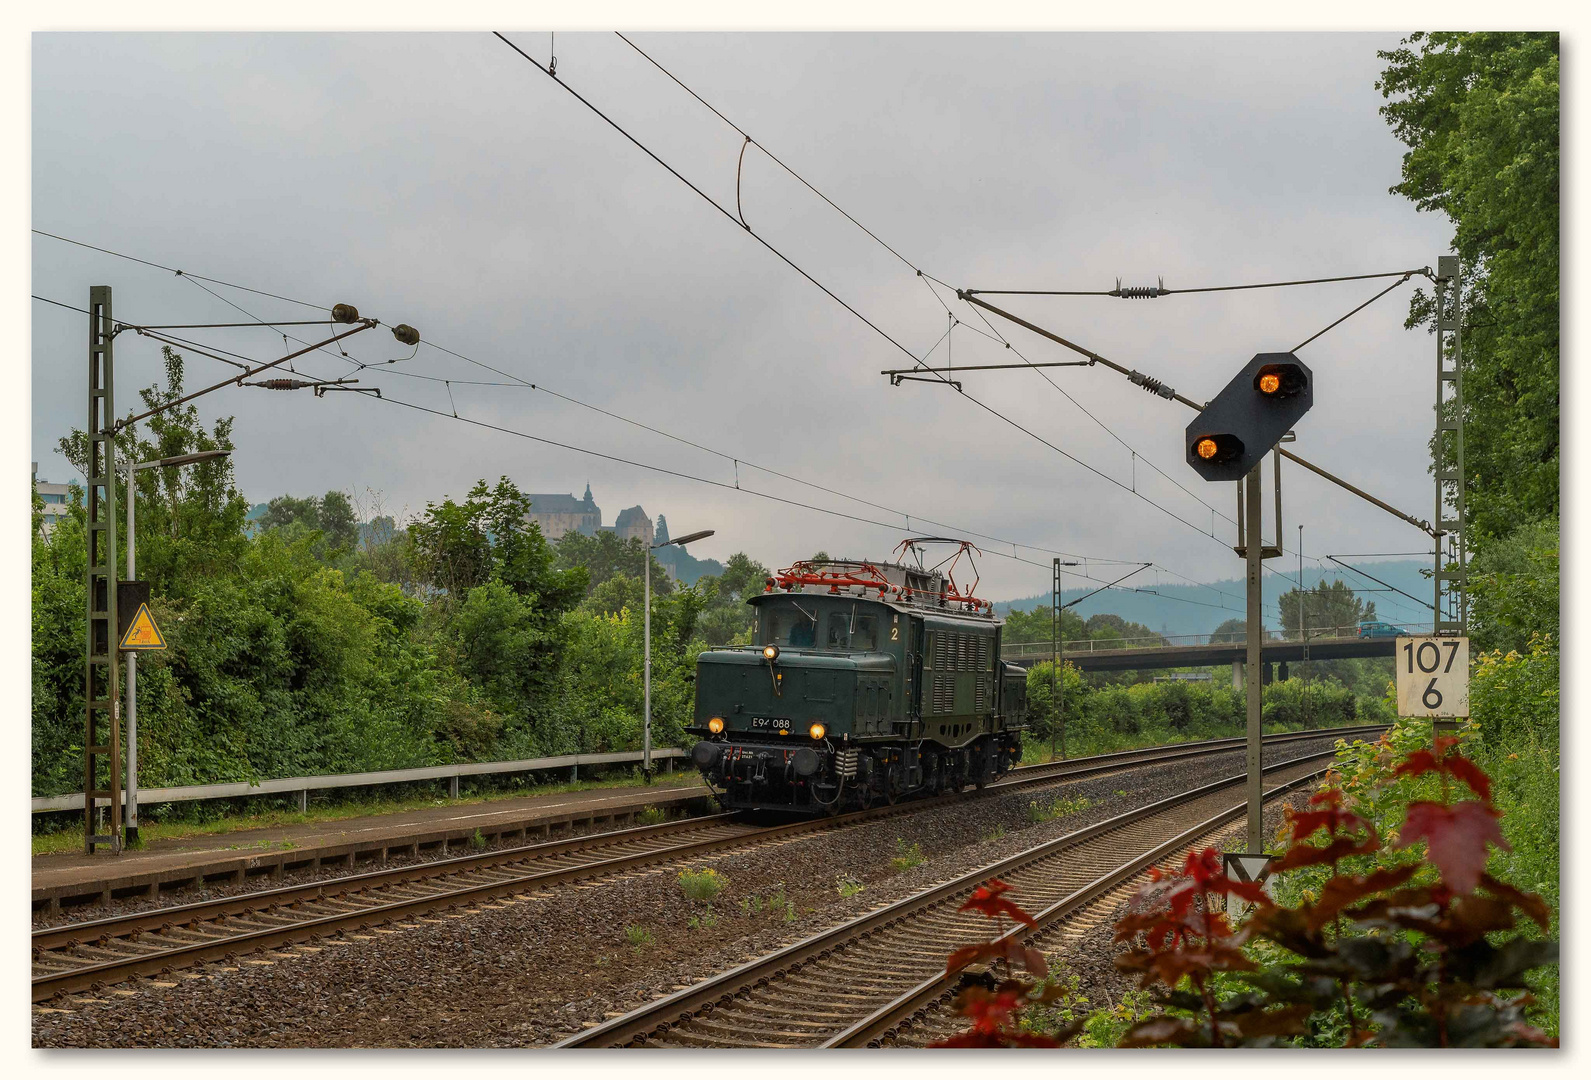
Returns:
(1237,675)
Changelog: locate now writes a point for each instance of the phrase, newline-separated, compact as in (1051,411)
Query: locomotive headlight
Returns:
(716,725)
(817,731)
(770,653)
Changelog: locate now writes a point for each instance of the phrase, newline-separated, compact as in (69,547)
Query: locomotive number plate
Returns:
(770,723)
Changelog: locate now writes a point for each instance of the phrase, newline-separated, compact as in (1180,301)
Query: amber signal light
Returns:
(1206,449)
(1269,384)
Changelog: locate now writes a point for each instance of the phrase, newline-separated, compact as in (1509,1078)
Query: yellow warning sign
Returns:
(142,633)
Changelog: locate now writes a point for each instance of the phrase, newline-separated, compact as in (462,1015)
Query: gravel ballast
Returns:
(530,971)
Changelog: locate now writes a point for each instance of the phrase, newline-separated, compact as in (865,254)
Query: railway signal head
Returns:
(1249,417)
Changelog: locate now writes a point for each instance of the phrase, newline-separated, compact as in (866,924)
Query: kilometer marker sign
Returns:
(1433,676)
(142,633)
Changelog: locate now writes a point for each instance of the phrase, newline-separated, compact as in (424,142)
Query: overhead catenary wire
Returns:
(723,485)
(181,273)
(519,381)
(829,292)
(906,528)
(1103,426)
(928,279)
(1203,289)
(751,140)
(1354,312)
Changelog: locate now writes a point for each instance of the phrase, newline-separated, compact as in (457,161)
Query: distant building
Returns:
(561,514)
(55,498)
(633,524)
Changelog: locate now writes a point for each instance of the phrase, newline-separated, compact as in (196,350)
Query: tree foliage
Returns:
(320,645)
(1407,943)
(1479,114)
(1326,607)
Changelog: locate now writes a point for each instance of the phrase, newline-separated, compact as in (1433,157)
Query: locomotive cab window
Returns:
(865,635)
(790,625)
(838,636)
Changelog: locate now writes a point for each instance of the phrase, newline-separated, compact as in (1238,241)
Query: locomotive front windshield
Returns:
(815,625)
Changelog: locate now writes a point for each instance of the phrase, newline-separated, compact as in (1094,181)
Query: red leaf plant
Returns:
(994,1007)
(1396,955)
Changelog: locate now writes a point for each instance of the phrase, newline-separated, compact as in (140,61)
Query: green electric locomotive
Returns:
(866,683)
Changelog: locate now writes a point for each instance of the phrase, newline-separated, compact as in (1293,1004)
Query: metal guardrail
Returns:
(303,785)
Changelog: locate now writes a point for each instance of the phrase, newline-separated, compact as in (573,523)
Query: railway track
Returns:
(82,955)
(858,983)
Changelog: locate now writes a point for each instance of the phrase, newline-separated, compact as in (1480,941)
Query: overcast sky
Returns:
(442,181)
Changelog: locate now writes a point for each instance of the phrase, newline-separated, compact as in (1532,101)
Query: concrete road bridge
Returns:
(1124,655)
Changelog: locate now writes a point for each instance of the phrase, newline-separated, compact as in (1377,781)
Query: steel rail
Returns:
(639,1025)
(241,912)
(53,937)
(58,936)
(873,1030)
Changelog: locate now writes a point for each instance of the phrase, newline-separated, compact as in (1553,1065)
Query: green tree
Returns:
(1034,626)
(1479,114)
(604,555)
(1230,632)
(337,521)
(286,510)
(1325,609)
(1108,627)
(727,617)
(1514,588)
(190,519)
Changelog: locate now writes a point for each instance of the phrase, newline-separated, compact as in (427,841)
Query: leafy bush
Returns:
(1513,584)
(1381,947)
(1100,719)
(1412,953)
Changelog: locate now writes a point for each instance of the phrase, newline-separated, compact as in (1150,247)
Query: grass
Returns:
(651,815)
(69,840)
(847,887)
(638,936)
(1040,811)
(996,833)
(702,885)
(907,857)
(1036,751)
(776,904)
(703,921)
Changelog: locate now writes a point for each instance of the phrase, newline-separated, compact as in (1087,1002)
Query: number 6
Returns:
(1432,692)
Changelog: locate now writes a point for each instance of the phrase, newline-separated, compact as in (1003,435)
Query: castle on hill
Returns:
(560,514)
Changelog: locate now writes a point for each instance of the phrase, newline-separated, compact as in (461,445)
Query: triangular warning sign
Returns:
(1245,867)
(142,633)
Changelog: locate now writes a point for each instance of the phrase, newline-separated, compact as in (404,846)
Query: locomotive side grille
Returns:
(980,696)
(944,692)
